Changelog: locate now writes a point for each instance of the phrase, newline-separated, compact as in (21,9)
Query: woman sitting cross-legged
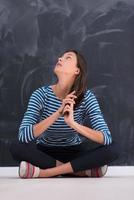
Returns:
(50,140)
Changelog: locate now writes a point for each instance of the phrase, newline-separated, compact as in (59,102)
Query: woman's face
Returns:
(67,64)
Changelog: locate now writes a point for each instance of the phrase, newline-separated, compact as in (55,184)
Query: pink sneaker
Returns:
(97,172)
(27,170)
(94,172)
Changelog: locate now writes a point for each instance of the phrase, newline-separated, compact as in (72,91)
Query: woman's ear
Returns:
(77,71)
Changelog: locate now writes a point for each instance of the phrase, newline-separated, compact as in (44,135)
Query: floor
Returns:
(118,184)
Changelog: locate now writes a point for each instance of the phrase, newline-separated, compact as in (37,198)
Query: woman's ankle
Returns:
(58,163)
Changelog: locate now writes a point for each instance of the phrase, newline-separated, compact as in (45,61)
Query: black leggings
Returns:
(80,156)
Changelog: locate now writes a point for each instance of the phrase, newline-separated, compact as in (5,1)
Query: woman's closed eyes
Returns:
(68,57)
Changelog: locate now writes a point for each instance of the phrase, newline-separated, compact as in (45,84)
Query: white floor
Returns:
(118,184)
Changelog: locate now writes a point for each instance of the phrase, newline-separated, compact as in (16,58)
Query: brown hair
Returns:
(80,83)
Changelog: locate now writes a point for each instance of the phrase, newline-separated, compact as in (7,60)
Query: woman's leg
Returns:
(65,168)
(98,157)
(85,160)
(30,153)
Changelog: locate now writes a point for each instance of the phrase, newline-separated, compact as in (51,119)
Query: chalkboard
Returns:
(32,36)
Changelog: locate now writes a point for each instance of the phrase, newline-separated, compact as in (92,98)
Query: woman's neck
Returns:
(61,90)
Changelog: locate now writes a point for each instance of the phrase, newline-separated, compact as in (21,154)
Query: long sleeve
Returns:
(31,116)
(92,110)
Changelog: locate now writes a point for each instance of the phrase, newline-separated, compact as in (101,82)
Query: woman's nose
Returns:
(60,59)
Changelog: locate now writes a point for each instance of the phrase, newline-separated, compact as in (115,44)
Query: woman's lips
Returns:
(59,64)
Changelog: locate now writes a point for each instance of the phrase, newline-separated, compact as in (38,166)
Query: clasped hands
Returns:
(67,107)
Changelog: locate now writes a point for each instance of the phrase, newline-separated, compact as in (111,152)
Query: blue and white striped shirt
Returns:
(43,102)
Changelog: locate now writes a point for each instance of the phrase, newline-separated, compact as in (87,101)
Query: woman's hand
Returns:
(67,106)
(68,112)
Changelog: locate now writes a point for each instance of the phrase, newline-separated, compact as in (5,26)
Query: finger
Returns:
(71,96)
(73,92)
(67,107)
(70,106)
(66,110)
(69,101)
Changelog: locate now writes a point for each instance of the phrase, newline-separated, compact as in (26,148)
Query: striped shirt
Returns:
(43,103)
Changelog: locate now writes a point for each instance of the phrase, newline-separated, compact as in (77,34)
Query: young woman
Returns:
(52,131)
